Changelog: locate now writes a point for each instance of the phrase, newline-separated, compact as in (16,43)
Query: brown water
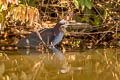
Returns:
(96,64)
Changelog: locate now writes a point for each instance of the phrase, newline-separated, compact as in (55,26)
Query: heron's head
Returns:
(60,24)
(63,22)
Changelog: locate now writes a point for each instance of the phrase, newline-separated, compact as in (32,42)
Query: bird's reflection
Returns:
(54,50)
(58,54)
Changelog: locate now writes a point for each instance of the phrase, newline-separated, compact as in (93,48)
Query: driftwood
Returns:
(79,27)
(86,33)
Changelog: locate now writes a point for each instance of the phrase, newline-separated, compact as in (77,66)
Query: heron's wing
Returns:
(33,39)
(58,38)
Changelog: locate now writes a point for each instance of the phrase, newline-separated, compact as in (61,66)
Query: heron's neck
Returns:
(56,28)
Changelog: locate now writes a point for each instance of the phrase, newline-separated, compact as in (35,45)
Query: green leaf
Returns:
(105,14)
(82,4)
(88,4)
(23,1)
(88,11)
(85,19)
(32,2)
(1,17)
(96,21)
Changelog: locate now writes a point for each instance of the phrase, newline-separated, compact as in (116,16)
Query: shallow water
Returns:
(95,64)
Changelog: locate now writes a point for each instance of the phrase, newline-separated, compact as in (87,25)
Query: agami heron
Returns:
(51,36)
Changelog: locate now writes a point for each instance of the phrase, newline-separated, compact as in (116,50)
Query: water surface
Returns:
(95,64)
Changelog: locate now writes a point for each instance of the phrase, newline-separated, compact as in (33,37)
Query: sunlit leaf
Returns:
(76,2)
(14,2)
(36,15)
(17,13)
(1,4)
(30,15)
(5,4)
(5,35)
(23,14)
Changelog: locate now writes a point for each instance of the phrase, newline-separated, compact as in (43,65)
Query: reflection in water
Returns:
(29,51)
(57,53)
(65,67)
(99,64)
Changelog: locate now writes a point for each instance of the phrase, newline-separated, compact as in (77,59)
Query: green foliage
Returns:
(32,3)
(96,21)
(1,12)
(28,2)
(1,17)
(86,6)
(83,4)
(76,43)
